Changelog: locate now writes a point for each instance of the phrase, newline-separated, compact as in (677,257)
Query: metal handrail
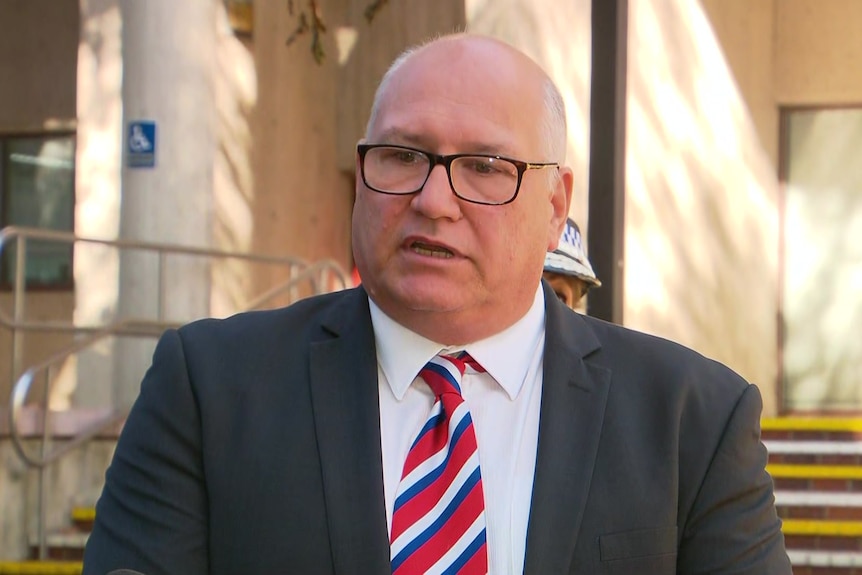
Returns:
(85,435)
(323,269)
(24,233)
(310,273)
(23,384)
(18,324)
(128,327)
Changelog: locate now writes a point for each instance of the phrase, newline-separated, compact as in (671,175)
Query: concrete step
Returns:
(825,562)
(816,465)
(811,428)
(68,544)
(813,505)
(827,452)
(840,478)
(64,545)
(40,568)
(83,517)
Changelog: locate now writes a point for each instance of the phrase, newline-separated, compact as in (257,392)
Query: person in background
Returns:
(567,269)
(450,414)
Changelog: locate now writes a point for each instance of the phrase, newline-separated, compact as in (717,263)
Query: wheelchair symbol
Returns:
(138,141)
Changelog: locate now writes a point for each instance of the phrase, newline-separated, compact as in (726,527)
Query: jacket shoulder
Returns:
(652,360)
(300,319)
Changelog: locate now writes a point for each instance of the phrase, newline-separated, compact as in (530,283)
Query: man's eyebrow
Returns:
(399,136)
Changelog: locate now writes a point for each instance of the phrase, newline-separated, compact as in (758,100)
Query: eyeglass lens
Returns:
(477,178)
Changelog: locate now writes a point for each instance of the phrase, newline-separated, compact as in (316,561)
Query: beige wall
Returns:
(45,306)
(701,216)
(75,481)
(818,47)
(786,53)
(38,59)
(745,30)
(38,50)
(790,53)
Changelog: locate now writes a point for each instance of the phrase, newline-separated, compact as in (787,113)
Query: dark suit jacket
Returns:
(254,448)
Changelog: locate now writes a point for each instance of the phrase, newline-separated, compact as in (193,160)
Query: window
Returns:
(822,259)
(37,189)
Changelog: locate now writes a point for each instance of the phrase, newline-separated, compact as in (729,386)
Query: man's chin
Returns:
(437,297)
(441,303)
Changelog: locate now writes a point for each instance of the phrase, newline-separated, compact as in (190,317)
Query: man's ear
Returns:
(561,200)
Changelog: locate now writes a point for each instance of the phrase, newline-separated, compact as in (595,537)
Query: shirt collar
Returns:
(506,356)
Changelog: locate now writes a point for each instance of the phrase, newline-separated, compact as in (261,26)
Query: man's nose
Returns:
(436,199)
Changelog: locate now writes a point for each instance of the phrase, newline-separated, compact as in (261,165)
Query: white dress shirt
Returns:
(504,403)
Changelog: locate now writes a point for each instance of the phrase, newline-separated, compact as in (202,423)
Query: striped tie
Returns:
(438,525)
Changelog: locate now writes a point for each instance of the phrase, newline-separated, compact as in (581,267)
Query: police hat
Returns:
(570,258)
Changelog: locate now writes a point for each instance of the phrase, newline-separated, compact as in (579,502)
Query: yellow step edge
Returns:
(815,471)
(41,567)
(825,528)
(851,424)
(83,514)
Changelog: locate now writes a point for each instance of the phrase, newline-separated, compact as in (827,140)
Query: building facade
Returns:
(222,126)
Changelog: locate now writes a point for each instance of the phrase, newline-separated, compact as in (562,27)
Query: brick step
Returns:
(792,477)
(822,528)
(68,544)
(64,545)
(807,562)
(816,464)
(823,547)
(814,452)
(83,518)
(836,506)
(812,428)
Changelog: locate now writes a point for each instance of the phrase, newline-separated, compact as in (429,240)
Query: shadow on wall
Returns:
(235,93)
(701,215)
(561,44)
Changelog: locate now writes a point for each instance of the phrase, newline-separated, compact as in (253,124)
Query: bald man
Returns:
(450,415)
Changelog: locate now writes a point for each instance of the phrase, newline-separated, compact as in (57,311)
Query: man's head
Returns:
(567,268)
(451,269)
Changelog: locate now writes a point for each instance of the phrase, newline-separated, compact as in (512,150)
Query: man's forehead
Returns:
(468,60)
(484,110)
(468,137)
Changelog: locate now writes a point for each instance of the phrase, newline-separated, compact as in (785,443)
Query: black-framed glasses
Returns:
(399,170)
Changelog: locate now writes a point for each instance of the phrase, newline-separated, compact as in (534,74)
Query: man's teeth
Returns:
(431,251)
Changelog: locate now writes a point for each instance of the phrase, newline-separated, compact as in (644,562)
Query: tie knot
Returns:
(470,363)
(444,372)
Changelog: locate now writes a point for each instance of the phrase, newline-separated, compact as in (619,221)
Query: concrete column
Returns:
(168,66)
(97,202)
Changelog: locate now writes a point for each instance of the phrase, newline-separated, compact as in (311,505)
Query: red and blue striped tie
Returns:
(438,525)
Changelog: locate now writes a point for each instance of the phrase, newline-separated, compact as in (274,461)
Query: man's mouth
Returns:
(431,251)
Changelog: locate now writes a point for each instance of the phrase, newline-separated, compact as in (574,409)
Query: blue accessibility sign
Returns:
(141,144)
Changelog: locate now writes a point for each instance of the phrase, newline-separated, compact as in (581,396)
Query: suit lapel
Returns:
(574,394)
(346,415)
